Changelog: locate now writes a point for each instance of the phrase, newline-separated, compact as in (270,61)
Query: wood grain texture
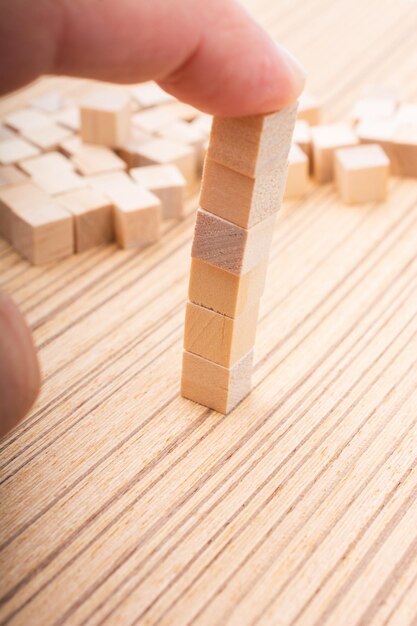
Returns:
(123,503)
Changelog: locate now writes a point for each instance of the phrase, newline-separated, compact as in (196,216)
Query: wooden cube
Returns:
(59,181)
(93,217)
(219,388)
(183,132)
(150,95)
(383,133)
(137,215)
(374,108)
(47,137)
(224,292)
(90,160)
(163,152)
(167,183)
(218,338)
(69,117)
(302,137)
(228,246)
(25,119)
(405,150)
(130,151)
(362,173)
(10,175)
(326,140)
(51,162)
(15,150)
(50,102)
(253,144)
(241,199)
(39,229)
(309,109)
(105,118)
(297,178)
(110,182)
(153,120)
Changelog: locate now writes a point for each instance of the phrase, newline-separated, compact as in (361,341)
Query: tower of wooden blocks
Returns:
(243,185)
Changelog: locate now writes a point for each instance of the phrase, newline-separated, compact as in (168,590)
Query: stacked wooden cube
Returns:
(242,189)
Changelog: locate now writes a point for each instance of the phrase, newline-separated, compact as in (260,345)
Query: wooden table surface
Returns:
(122,503)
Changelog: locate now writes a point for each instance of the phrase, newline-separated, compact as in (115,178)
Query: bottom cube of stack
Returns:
(217,387)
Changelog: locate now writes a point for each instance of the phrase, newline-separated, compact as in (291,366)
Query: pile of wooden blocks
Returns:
(243,185)
(109,167)
(379,139)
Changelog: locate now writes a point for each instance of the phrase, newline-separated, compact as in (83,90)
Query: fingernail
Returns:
(298,71)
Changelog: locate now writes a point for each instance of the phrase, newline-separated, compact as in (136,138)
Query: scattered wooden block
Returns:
(224,292)
(183,132)
(46,163)
(90,160)
(51,102)
(218,338)
(183,111)
(214,386)
(93,217)
(152,120)
(167,183)
(10,175)
(375,108)
(47,137)
(309,109)
(25,119)
(405,150)
(362,173)
(163,152)
(105,118)
(150,95)
(109,182)
(229,246)
(39,229)
(297,178)
(130,151)
(327,139)
(254,144)
(381,132)
(302,137)
(241,199)
(15,150)
(69,117)
(60,181)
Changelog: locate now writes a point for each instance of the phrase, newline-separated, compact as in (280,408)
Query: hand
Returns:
(210,54)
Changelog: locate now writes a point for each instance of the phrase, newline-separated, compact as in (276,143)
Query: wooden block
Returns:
(47,137)
(302,137)
(10,175)
(50,162)
(15,150)
(224,292)
(167,183)
(214,386)
(309,109)
(69,117)
(229,246)
(107,183)
(374,108)
(90,160)
(130,151)
(93,217)
(241,199)
(183,111)
(218,338)
(405,150)
(183,132)
(362,173)
(152,120)
(105,118)
(59,181)
(163,152)
(51,102)
(326,140)
(25,119)
(6,133)
(39,229)
(297,178)
(254,144)
(383,133)
(150,95)
(17,197)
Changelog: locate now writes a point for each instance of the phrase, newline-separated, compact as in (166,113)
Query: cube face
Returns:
(362,174)
(224,292)
(164,152)
(43,243)
(228,246)
(137,216)
(47,137)
(214,386)
(327,139)
(15,150)
(218,338)
(253,144)
(105,119)
(167,183)
(240,199)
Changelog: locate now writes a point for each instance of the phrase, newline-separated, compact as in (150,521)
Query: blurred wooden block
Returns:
(90,160)
(254,144)
(326,140)
(374,108)
(105,118)
(302,137)
(167,183)
(47,137)
(163,152)
(59,181)
(229,246)
(6,133)
(153,120)
(130,151)
(109,182)
(93,217)
(218,338)
(297,178)
(397,140)
(183,132)
(309,109)
(39,229)
(137,215)
(69,117)
(10,175)
(224,292)
(362,174)
(241,199)
(51,102)
(183,111)
(25,119)
(214,386)
(15,150)
(50,162)
(150,95)
(405,150)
